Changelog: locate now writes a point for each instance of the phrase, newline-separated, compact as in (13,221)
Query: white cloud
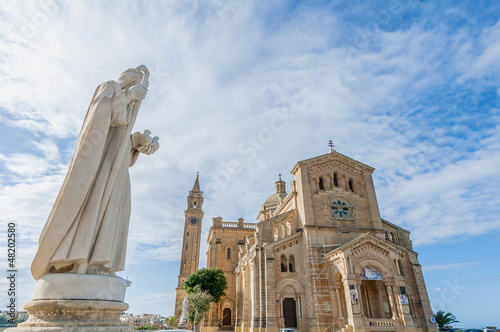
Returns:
(26,165)
(446,267)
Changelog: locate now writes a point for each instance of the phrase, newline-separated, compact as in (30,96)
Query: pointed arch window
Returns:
(335,179)
(321,184)
(351,186)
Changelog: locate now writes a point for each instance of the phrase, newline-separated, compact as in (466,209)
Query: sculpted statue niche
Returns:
(86,231)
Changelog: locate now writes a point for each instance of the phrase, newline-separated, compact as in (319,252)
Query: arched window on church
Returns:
(194,204)
(283,263)
(351,186)
(288,228)
(321,184)
(283,234)
(400,267)
(228,256)
(275,233)
(291,264)
(335,179)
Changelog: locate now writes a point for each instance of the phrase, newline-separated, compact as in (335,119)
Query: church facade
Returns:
(320,258)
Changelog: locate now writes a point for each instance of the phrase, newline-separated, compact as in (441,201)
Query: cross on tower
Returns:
(331,145)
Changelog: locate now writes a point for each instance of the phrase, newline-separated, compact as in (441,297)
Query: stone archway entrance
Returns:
(289,312)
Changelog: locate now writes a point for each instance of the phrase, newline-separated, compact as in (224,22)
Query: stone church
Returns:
(320,258)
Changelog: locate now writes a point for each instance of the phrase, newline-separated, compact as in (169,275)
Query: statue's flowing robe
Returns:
(90,218)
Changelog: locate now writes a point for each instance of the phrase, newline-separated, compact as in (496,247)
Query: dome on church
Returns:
(272,202)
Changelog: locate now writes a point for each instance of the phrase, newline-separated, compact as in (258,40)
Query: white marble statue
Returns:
(87,229)
(183,318)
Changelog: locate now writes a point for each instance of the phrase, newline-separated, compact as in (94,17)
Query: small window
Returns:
(291,263)
(194,258)
(335,179)
(194,203)
(196,244)
(351,187)
(228,253)
(321,185)
(186,247)
(187,234)
(275,233)
(283,263)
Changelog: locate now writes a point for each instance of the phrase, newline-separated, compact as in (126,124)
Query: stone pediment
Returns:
(333,160)
(366,243)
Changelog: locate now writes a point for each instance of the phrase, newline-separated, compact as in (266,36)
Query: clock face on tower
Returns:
(193,221)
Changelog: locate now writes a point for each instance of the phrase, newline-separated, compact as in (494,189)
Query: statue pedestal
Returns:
(76,303)
(74,316)
(182,324)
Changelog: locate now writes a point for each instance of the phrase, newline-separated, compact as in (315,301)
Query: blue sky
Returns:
(408,87)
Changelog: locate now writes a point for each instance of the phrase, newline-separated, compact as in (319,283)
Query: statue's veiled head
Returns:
(129,78)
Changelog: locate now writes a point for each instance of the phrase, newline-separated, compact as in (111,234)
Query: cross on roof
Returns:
(331,145)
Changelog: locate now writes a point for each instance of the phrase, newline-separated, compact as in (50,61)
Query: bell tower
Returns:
(190,250)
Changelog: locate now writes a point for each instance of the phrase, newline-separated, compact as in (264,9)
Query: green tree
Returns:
(212,281)
(148,327)
(198,305)
(444,319)
(171,321)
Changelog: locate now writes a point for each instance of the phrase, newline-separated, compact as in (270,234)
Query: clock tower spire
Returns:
(190,251)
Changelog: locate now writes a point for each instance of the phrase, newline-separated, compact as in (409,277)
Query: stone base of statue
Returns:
(182,324)
(76,303)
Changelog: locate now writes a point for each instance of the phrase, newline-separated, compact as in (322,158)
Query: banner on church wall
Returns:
(403,298)
(353,290)
(369,273)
